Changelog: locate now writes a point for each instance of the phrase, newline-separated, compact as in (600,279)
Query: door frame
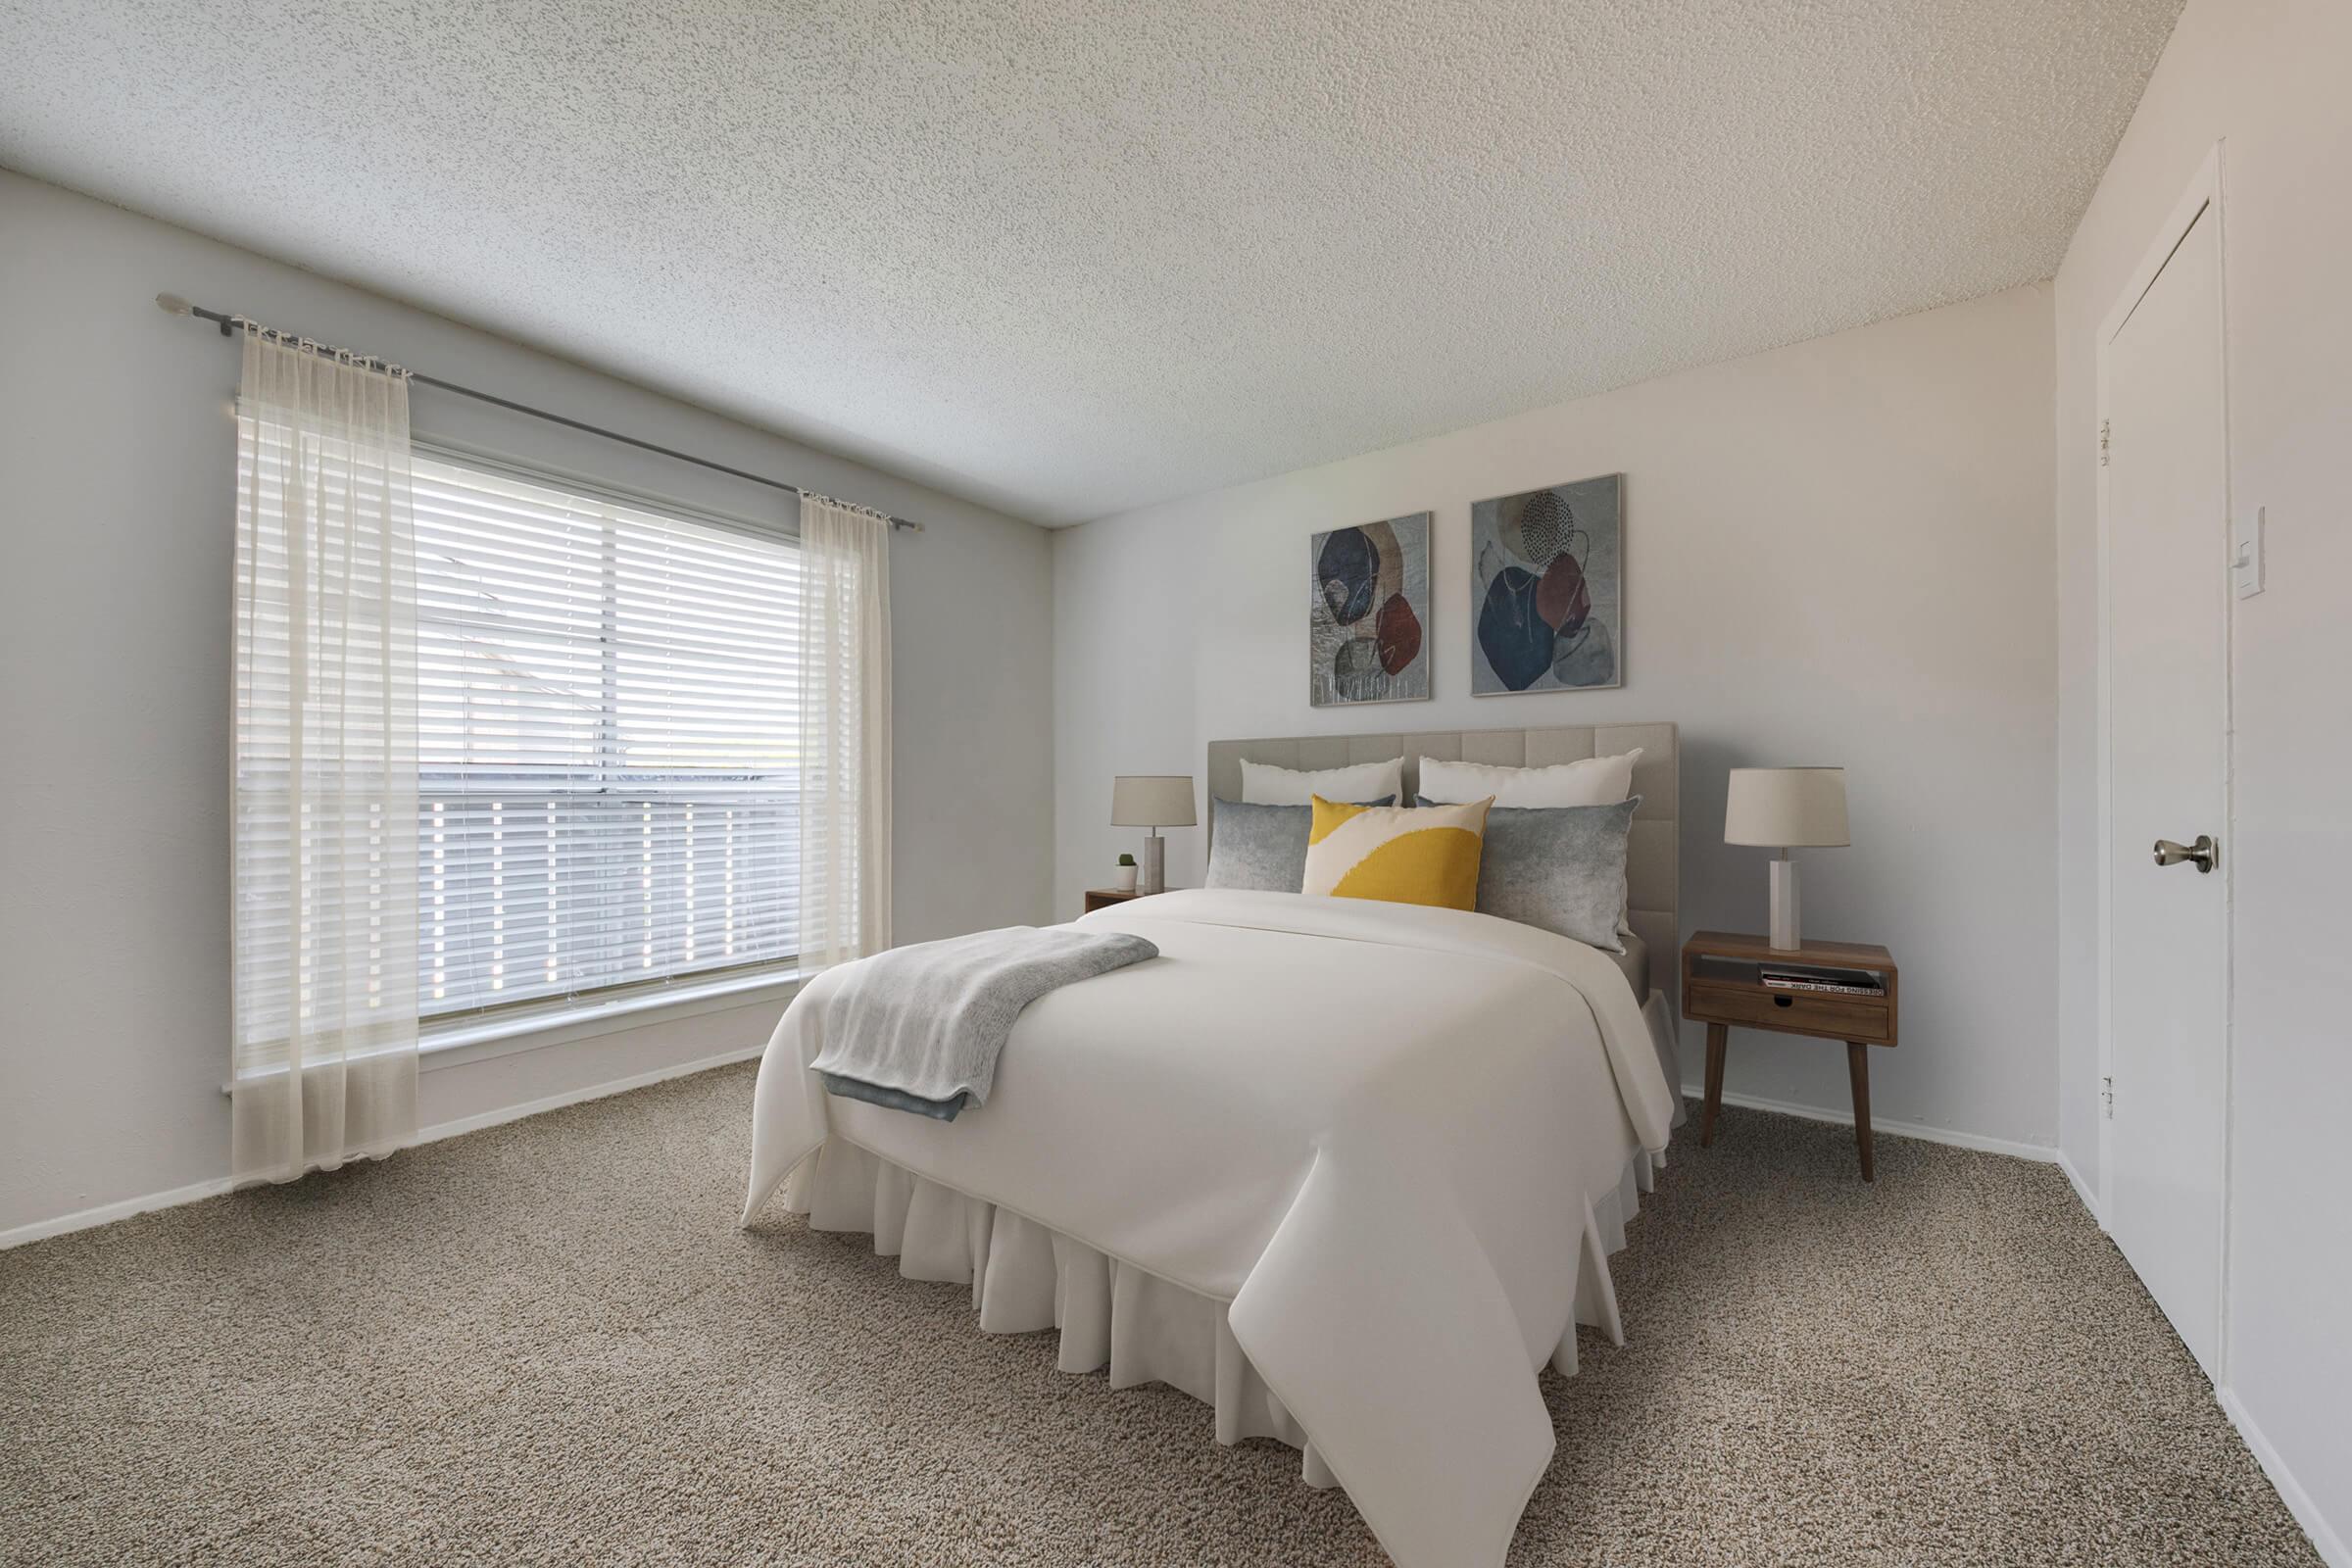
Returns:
(2202,195)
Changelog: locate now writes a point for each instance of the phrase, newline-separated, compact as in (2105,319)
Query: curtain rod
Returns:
(175,305)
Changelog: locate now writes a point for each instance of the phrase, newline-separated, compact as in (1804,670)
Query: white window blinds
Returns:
(609,741)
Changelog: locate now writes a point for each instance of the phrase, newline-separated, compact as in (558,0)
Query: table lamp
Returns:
(1785,809)
(1152,800)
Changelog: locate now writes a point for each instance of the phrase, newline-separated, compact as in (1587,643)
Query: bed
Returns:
(1348,1172)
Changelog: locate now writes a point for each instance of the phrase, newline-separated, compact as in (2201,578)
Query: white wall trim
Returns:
(2040,1153)
(41,1230)
(2328,1544)
(106,1213)
(2083,1189)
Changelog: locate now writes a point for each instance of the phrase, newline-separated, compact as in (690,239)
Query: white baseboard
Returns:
(2083,1189)
(2324,1539)
(40,1230)
(2039,1153)
(108,1213)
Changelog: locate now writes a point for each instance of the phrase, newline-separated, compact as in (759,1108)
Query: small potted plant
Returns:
(1126,873)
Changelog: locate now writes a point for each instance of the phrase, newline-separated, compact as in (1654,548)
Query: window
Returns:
(609,738)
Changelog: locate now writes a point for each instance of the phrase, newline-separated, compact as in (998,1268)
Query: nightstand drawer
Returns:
(1813,1012)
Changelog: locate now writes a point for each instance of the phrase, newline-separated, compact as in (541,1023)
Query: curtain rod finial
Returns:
(175,305)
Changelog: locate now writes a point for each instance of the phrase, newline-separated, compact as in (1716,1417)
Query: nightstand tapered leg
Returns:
(1717,1035)
(1857,1066)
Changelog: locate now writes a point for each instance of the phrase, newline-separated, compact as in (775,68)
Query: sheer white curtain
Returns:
(845,732)
(325,830)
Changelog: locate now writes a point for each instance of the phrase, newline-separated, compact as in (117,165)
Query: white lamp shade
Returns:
(1786,807)
(1151,800)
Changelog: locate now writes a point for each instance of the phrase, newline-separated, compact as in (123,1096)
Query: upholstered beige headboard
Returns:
(1650,872)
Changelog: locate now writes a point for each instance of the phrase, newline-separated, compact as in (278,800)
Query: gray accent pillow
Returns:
(1262,849)
(1557,867)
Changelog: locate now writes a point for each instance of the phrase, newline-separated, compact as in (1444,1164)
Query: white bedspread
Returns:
(1374,1128)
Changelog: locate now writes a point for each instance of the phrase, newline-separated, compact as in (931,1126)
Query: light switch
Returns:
(2245,553)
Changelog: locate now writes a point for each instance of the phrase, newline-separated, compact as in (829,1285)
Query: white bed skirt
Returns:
(1026,1278)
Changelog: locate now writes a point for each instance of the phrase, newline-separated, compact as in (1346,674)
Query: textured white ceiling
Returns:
(1071,257)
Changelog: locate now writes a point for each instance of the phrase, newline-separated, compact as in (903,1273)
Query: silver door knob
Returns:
(2204,852)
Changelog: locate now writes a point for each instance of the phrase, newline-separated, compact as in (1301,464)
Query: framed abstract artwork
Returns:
(1546,589)
(1367,613)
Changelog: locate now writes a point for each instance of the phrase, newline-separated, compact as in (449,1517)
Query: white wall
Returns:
(1838,552)
(2264,77)
(117,452)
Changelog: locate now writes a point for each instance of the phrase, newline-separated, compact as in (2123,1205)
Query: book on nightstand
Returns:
(1836,982)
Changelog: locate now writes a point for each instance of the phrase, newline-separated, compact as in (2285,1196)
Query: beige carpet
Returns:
(547,1344)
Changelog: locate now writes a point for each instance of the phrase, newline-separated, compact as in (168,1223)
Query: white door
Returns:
(2168,561)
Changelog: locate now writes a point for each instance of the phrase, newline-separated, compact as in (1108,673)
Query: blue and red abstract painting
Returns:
(1368,613)
(1546,589)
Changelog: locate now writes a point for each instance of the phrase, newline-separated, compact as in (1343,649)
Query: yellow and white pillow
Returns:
(1424,856)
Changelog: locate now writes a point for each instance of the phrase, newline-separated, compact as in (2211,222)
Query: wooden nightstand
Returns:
(1104,898)
(1722,987)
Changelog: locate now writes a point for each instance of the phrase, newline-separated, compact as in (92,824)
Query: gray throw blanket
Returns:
(919,1028)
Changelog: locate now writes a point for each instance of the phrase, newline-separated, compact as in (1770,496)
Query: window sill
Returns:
(508,1036)
(454,1045)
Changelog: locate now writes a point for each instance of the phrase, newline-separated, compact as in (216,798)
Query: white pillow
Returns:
(1595,781)
(1263,784)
